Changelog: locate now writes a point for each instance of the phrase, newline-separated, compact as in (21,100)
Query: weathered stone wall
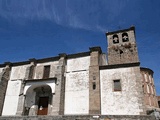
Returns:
(38,74)
(122,52)
(158,99)
(3,86)
(4,77)
(128,101)
(149,91)
(11,98)
(58,97)
(77,86)
(102,59)
(80,117)
(94,81)
(18,72)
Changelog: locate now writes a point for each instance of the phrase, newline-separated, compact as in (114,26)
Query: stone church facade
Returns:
(80,84)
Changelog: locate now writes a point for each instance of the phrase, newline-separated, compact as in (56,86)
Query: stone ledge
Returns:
(80,117)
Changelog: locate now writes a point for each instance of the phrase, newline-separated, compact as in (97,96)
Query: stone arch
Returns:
(125,37)
(115,39)
(32,85)
(32,98)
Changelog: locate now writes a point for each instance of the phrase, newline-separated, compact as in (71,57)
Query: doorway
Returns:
(43,106)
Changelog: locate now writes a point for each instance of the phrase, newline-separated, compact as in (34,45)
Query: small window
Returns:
(115,39)
(46,72)
(94,85)
(159,103)
(143,88)
(117,85)
(125,37)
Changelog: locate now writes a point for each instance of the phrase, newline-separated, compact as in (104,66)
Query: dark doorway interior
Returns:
(43,106)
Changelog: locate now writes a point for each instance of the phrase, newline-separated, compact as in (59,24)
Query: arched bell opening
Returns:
(38,100)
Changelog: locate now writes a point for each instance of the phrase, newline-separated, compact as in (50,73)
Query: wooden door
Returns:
(43,106)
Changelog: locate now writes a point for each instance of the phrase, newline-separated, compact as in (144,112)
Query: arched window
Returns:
(125,37)
(115,39)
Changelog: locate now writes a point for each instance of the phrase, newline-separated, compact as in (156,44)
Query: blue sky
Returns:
(45,28)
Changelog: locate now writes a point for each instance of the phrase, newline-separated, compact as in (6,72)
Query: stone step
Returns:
(80,117)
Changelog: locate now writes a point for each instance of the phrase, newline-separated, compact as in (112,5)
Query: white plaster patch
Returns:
(18,72)
(77,93)
(76,64)
(11,98)
(124,102)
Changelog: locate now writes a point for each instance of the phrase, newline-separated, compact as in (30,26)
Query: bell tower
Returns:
(122,47)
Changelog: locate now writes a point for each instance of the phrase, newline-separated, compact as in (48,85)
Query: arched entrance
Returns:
(43,98)
(38,100)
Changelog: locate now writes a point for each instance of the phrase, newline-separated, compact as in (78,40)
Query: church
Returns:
(86,83)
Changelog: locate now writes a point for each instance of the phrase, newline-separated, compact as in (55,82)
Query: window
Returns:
(148,91)
(46,72)
(143,88)
(115,39)
(159,103)
(94,85)
(125,37)
(145,77)
(152,90)
(117,85)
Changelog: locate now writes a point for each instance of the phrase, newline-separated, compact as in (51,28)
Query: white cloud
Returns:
(78,14)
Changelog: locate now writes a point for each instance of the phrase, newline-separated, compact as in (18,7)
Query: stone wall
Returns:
(38,74)
(127,101)
(102,59)
(94,81)
(4,77)
(18,72)
(149,91)
(158,99)
(122,52)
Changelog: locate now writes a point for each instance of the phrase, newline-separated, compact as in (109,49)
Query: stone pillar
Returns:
(30,69)
(139,90)
(94,82)
(58,97)
(28,75)
(4,77)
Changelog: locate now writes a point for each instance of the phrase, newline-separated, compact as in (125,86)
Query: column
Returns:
(94,81)
(58,97)
(4,77)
